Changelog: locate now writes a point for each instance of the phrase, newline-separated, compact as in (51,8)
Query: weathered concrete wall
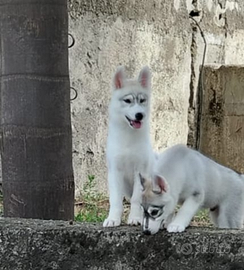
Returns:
(49,245)
(222,118)
(222,24)
(134,34)
(157,33)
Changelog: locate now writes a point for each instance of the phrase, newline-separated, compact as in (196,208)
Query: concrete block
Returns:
(221,128)
(49,245)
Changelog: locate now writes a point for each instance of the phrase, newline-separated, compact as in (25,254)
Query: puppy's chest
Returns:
(133,163)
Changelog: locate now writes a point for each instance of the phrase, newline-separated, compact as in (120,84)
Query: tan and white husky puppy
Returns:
(185,176)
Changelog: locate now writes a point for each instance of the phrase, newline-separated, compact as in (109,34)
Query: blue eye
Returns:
(127,101)
(154,212)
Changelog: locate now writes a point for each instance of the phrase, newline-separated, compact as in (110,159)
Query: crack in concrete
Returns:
(191,109)
(196,85)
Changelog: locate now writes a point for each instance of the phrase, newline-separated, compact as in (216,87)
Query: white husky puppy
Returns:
(185,176)
(129,149)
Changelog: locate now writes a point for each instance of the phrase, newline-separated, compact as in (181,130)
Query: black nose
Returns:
(139,116)
(147,232)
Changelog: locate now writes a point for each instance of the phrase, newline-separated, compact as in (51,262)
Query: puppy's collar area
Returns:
(134,123)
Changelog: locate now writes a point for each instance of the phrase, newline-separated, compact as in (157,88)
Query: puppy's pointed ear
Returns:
(143,181)
(119,78)
(160,185)
(145,77)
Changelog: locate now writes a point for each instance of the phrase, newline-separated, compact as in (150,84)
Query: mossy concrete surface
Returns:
(36,244)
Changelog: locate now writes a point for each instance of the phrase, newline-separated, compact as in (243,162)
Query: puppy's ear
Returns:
(160,185)
(145,77)
(119,78)
(143,181)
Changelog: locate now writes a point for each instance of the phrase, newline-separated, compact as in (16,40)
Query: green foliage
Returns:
(202,218)
(94,204)
(91,215)
(90,193)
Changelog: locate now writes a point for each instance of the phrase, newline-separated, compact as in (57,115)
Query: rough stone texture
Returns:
(221,128)
(35,245)
(222,24)
(135,33)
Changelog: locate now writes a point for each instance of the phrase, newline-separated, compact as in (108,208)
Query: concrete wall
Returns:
(222,24)
(132,33)
(137,33)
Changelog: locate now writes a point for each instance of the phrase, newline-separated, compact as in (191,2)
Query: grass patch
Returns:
(202,218)
(93,206)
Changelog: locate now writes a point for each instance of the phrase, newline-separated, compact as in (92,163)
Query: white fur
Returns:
(195,181)
(129,150)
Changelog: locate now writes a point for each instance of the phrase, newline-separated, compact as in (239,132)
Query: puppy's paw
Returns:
(167,221)
(110,222)
(134,221)
(175,227)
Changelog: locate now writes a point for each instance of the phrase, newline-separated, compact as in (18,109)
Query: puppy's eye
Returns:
(127,100)
(142,100)
(154,212)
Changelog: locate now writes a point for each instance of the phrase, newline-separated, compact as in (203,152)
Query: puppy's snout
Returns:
(146,232)
(139,116)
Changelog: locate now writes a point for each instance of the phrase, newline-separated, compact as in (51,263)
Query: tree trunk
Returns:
(36,139)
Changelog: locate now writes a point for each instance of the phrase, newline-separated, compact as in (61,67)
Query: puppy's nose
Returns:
(139,116)
(147,232)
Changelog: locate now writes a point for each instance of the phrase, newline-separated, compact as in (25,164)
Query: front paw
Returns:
(111,222)
(167,221)
(175,227)
(134,221)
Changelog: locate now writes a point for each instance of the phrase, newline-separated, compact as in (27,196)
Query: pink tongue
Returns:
(136,124)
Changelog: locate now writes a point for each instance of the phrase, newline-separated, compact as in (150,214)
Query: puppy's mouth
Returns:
(134,123)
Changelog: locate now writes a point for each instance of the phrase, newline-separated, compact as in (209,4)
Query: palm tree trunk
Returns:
(36,139)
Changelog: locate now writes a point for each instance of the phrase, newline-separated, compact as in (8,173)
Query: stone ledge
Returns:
(36,244)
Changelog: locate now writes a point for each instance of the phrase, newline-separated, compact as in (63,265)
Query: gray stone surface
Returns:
(222,25)
(37,245)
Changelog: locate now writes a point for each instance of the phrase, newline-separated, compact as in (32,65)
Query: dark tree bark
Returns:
(36,139)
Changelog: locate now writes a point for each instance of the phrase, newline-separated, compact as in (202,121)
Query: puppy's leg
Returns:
(235,211)
(116,189)
(135,216)
(214,214)
(168,220)
(230,216)
(185,214)
(222,221)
